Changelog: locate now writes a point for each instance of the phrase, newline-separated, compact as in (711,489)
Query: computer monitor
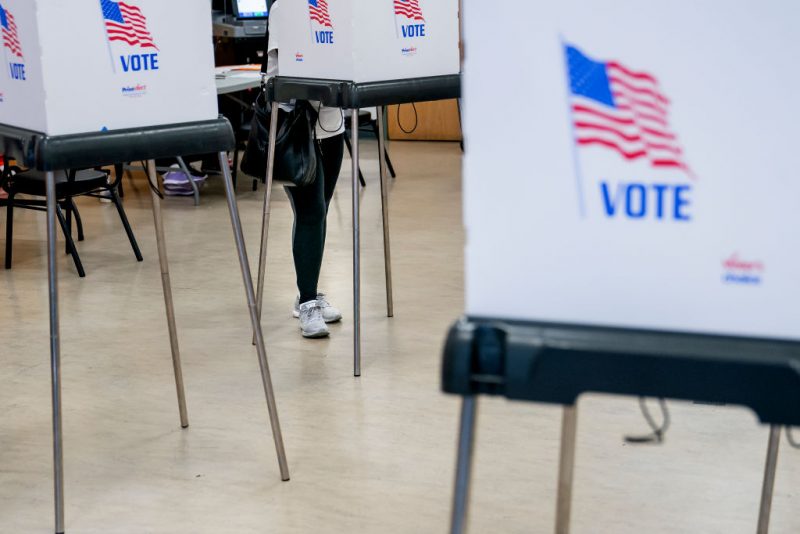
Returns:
(250,9)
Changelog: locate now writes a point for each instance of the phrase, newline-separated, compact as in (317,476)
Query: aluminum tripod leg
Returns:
(266,379)
(55,352)
(387,248)
(466,446)
(262,257)
(356,249)
(167,287)
(769,479)
(566,468)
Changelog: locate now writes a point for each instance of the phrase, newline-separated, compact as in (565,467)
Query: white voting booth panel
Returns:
(77,66)
(640,170)
(367,41)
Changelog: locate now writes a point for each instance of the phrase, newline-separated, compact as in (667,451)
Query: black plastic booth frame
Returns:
(551,363)
(55,153)
(352,96)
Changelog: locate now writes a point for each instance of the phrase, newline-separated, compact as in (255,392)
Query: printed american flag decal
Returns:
(318,11)
(623,110)
(10,35)
(409,9)
(126,23)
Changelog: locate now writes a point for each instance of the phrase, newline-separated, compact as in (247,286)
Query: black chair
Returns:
(71,184)
(365,121)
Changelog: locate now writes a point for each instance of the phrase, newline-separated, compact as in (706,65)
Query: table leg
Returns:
(769,479)
(566,468)
(262,257)
(167,287)
(466,447)
(356,249)
(387,248)
(195,189)
(266,379)
(55,351)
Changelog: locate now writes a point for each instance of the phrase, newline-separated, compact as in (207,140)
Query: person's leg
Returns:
(332,155)
(308,204)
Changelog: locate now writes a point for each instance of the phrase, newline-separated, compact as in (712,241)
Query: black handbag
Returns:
(295,153)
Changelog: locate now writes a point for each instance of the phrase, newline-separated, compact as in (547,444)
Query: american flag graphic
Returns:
(318,11)
(409,9)
(10,35)
(623,110)
(126,23)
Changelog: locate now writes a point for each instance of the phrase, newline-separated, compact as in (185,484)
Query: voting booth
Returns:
(91,65)
(631,226)
(353,54)
(368,41)
(90,83)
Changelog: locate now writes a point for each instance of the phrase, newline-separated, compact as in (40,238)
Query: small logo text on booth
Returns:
(134,90)
(409,51)
(298,57)
(738,271)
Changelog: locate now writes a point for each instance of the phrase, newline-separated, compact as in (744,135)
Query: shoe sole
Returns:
(296,315)
(316,335)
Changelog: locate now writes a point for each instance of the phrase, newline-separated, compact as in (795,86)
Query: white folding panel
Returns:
(75,66)
(634,164)
(367,41)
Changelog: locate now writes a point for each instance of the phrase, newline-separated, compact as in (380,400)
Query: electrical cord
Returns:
(153,187)
(416,120)
(659,431)
(341,122)
(791,439)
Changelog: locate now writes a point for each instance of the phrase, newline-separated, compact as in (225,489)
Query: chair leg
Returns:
(9,228)
(350,151)
(125,223)
(78,220)
(118,174)
(67,207)
(70,243)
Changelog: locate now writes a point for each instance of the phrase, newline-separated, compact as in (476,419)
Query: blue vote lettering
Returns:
(640,201)
(324,37)
(139,62)
(17,71)
(413,30)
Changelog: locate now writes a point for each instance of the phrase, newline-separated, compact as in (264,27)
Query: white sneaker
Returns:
(311,322)
(329,313)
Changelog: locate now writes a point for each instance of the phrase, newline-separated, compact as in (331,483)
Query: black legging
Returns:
(310,206)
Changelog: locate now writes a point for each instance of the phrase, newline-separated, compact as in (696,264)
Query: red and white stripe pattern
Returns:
(637,126)
(133,30)
(409,9)
(10,35)
(318,11)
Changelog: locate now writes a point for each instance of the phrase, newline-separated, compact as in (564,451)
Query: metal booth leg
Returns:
(356,248)
(466,446)
(55,352)
(195,189)
(167,287)
(387,248)
(566,468)
(262,257)
(769,479)
(238,235)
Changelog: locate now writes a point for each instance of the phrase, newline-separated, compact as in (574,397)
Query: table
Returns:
(54,153)
(552,363)
(352,96)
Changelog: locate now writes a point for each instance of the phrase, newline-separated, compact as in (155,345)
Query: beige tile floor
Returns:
(373,455)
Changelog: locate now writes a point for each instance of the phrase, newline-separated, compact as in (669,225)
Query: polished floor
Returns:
(368,455)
